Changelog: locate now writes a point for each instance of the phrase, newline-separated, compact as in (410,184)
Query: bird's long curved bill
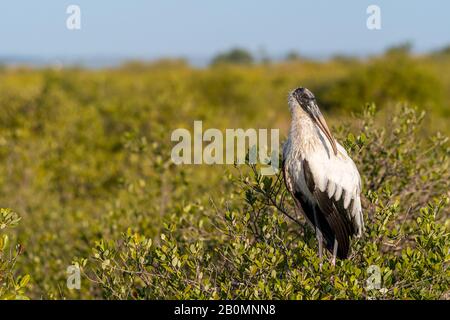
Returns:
(324,127)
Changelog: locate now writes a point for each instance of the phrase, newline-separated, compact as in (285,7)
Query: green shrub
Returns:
(235,56)
(85,155)
(12,286)
(249,244)
(396,77)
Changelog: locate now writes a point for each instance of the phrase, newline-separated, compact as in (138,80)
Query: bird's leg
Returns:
(335,247)
(319,238)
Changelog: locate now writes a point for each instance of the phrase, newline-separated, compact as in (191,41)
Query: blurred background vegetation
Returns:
(85,158)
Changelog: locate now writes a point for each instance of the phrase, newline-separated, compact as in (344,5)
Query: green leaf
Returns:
(24,281)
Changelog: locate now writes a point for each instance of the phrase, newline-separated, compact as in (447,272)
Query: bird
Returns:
(322,179)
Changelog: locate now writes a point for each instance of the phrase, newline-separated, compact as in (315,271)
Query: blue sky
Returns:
(201,28)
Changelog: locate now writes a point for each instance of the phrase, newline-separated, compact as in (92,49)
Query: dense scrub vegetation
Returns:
(85,162)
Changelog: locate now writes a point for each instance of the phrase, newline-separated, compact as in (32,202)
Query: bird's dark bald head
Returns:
(303,94)
(306,100)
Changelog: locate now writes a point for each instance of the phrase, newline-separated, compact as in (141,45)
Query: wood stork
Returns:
(321,177)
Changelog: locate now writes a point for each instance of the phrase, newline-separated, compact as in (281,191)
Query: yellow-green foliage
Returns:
(85,161)
(386,80)
(11,285)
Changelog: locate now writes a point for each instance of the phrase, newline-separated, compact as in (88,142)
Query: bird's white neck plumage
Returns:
(303,133)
